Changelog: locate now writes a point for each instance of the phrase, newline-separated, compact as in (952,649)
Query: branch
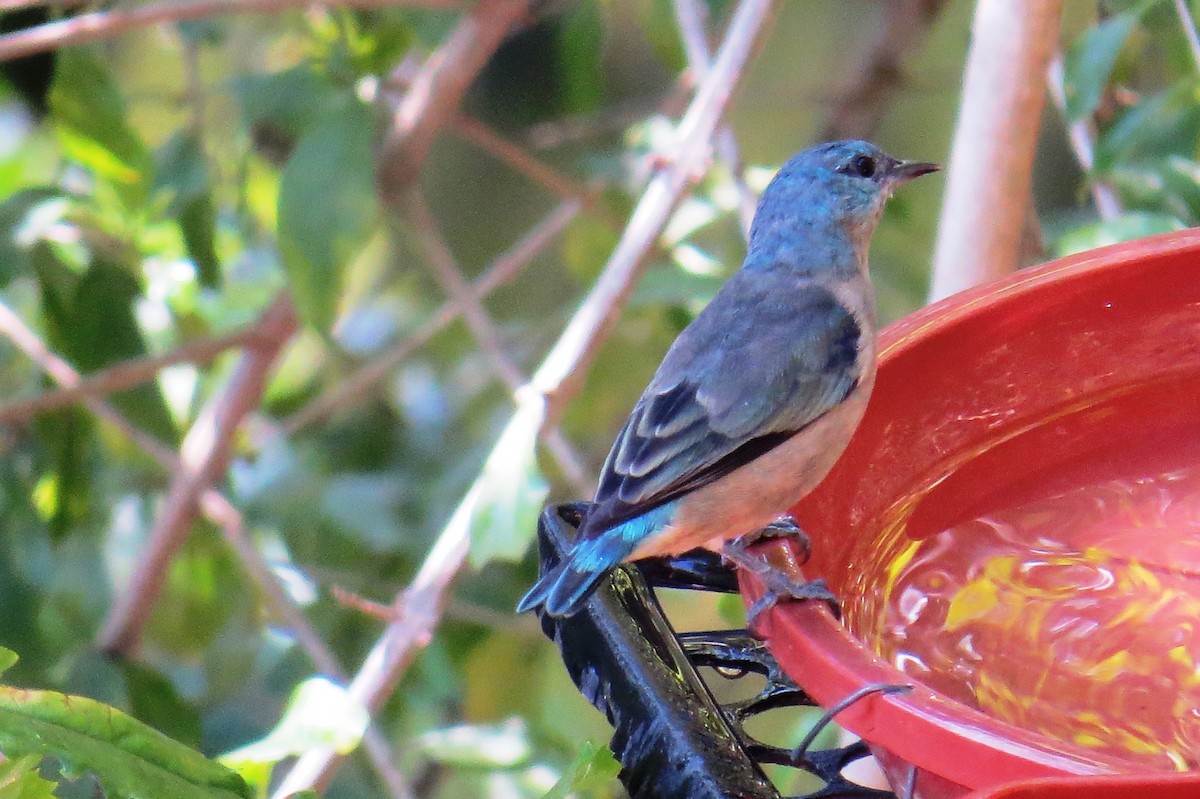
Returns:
(448,275)
(420,606)
(98,25)
(1189,30)
(204,457)
(865,100)
(223,514)
(436,91)
(124,376)
(496,145)
(1082,135)
(991,160)
(691,17)
(362,383)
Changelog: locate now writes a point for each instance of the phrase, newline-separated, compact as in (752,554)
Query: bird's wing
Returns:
(768,356)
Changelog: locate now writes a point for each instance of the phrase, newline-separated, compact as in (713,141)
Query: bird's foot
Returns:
(781,527)
(779,585)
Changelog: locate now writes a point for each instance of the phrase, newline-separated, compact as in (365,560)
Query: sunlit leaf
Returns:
(320,715)
(327,209)
(7,659)
(509,492)
(126,757)
(90,116)
(657,19)
(19,779)
(594,769)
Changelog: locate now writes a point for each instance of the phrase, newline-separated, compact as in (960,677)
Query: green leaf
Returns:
(1159,125)
(8,659)
(183,176)
(1123,228)
(127,758)
(19,779)
(198,224)
(1090,61)
(509,493)
(90,116)
(101,330)
(327,209)
(320,715)
(594,770)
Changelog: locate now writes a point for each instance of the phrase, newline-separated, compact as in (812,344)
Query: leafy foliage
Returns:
(177,182)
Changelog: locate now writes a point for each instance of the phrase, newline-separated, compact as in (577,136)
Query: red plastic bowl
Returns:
(1008,353)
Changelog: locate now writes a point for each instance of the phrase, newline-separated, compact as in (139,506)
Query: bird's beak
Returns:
(904,171)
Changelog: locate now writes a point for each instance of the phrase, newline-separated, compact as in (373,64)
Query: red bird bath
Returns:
(1015,532)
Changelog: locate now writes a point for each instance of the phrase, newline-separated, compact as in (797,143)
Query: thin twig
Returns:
(204,456)
(419,607)
(436,91)
(97,25)
(124,376)
(361,384)
(691,17)
(519,159)
(867,96)
(449,276)
(1189,30)
(1082,135)
(991,160)
(224,515)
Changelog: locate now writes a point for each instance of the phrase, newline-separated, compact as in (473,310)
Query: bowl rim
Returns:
(923,727)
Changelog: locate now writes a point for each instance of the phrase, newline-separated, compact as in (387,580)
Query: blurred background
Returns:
(167,187)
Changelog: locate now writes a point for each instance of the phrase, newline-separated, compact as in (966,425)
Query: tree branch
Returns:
(989,174)
(222,513)
(362,383)
(204,457)
(866,98)
(435,93)
(97,25)
(419,607)
(124,376)
(496,145)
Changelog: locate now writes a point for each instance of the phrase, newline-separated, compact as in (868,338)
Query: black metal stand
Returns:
(673,739)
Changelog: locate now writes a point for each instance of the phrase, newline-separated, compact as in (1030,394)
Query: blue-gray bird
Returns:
(759,395)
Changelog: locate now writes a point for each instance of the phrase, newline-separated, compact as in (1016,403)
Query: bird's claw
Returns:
(782,587)
(781,527)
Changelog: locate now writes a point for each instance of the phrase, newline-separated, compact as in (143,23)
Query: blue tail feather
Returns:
(564,589)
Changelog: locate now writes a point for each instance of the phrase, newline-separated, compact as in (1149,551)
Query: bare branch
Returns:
(98,25)
(204,457)
(420,606)
(494,144)
(866,98)
(222,513)
(1082,134)
(361,384)
(436,91)
(124,376)
(691,17)
(449,276)
(989,174)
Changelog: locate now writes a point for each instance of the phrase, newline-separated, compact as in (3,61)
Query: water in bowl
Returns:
(1070,604)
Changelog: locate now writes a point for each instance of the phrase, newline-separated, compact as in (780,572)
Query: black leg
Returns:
(783,526)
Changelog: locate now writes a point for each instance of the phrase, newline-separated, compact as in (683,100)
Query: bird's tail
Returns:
(564,589)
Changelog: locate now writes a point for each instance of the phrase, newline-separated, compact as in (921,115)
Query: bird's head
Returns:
(829,192)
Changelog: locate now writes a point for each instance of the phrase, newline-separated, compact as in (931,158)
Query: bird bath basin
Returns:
(1015,532)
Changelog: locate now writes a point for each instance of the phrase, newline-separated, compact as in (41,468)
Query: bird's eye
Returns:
(863,166)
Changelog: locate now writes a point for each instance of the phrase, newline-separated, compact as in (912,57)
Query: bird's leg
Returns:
(778,584)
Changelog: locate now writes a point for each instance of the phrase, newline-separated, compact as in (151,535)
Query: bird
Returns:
(758,396)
